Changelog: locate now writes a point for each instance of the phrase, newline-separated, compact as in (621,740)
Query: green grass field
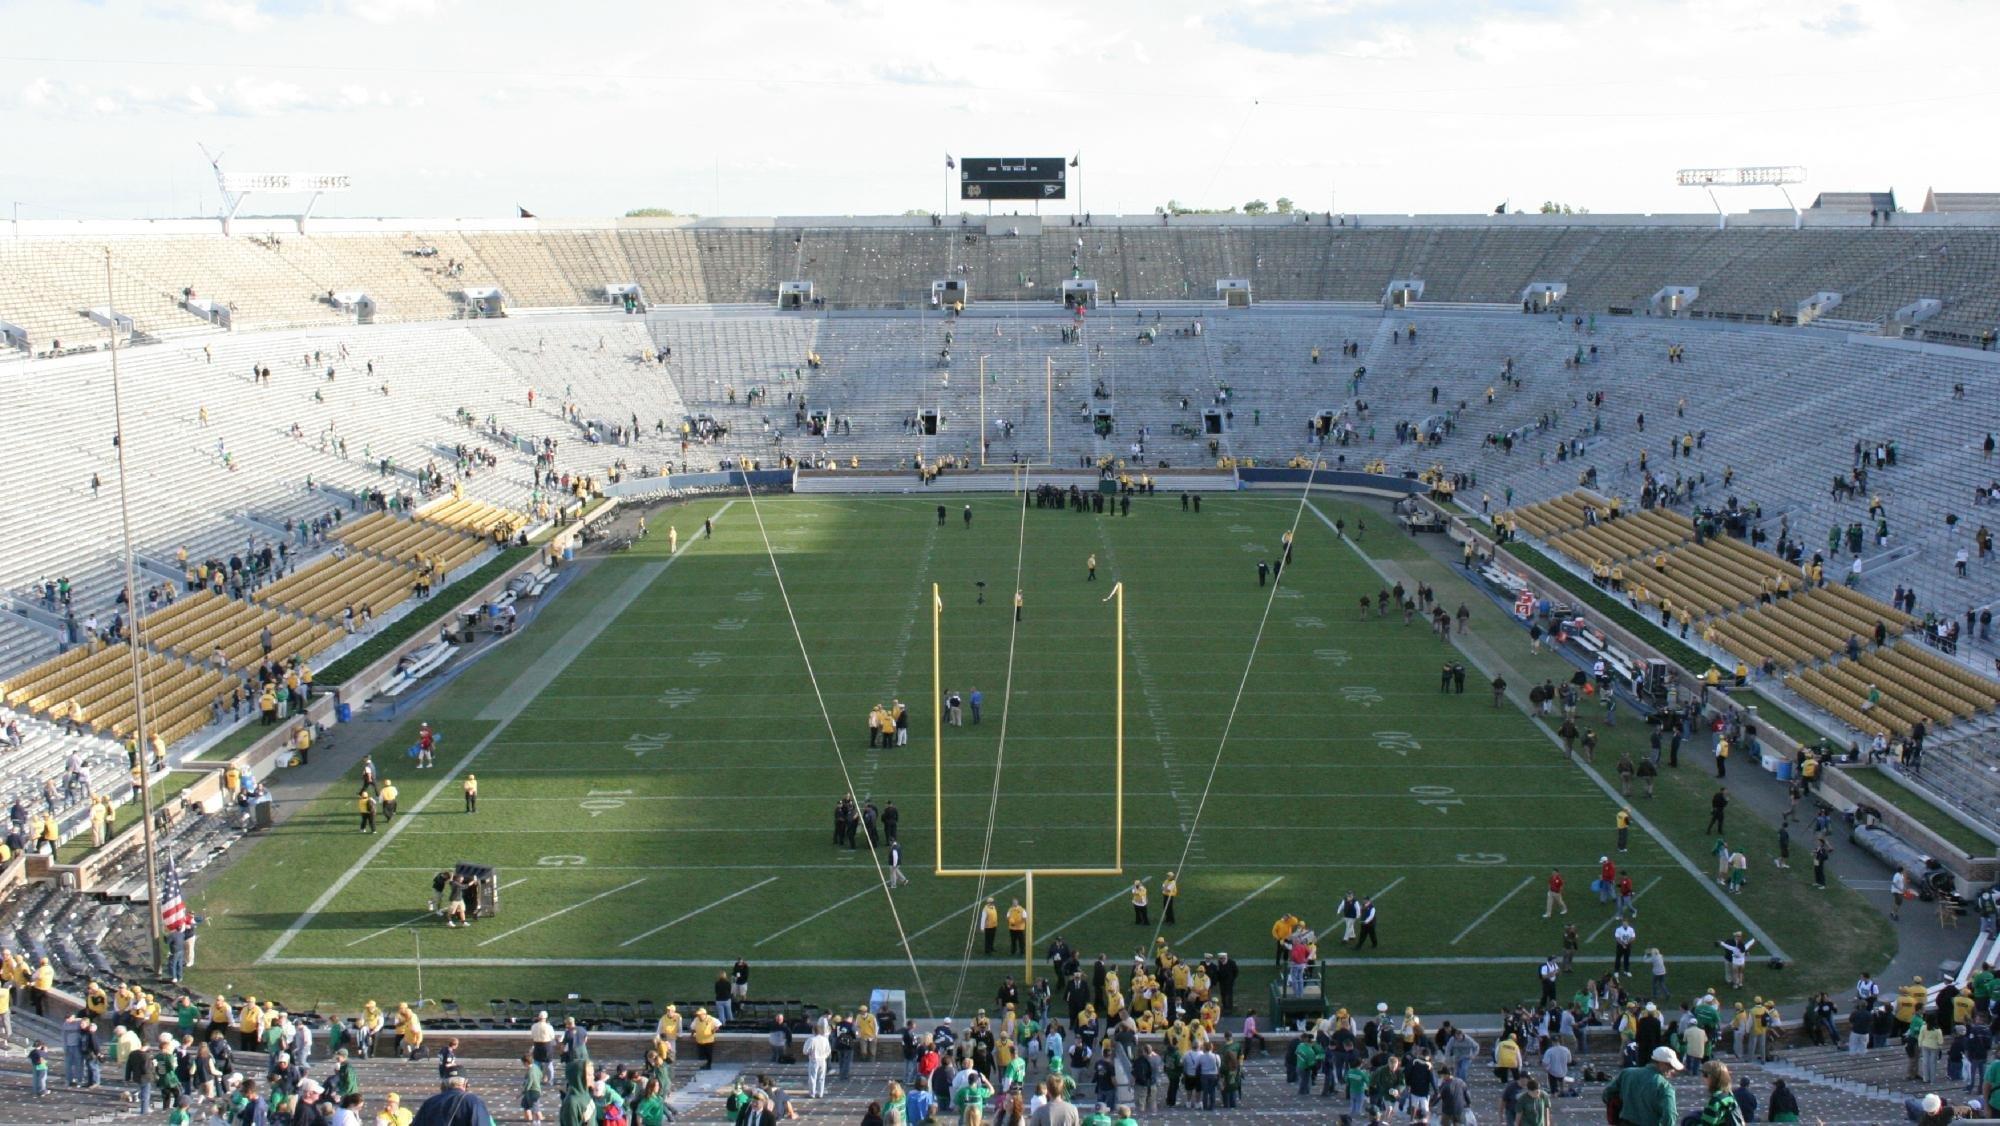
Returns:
(657,780)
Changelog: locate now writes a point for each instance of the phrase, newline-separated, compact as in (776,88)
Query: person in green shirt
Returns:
(1642,1095)
(178,1117)
(166,1079)
(344,1081)
(1016,1076)
(1532,1108)
(1721,1109)
(531,1089)
(1125,1117)
(1308,1056)
(1357,1093)
(651,1110)
(1992,1081)
(971,1099)
(1101,1116)
(1383,1083)
(186,1014)
(578,1108)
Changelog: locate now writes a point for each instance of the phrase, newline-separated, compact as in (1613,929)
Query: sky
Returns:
(451,108)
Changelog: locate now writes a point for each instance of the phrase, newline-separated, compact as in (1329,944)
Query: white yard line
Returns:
(1474,925)
(1390,888)
(564,911)
(1186,936)
(816,914)
(1722,897)
(858,963)
(697,911)
(1636,897)
(421,918)
(505,709)
(1259,866)
(956,914)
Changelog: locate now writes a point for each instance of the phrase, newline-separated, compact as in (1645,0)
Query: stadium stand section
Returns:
(503,417)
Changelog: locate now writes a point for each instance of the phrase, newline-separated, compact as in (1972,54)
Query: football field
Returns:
(660,752)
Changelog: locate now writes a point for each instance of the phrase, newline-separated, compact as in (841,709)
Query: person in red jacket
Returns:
(1555,899)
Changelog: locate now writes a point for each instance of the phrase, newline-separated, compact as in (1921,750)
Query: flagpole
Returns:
(132,642)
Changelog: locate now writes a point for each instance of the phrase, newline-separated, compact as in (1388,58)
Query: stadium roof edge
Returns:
(353,225)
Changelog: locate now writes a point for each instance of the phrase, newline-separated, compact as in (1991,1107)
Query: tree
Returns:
(1285,206)
(1256,207)
(916,213)
(1176,207)
(655,213)
(1551,207)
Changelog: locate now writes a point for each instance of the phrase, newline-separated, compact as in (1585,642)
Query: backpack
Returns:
(845,1040)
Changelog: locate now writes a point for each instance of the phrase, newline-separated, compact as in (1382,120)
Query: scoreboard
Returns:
(1012,177)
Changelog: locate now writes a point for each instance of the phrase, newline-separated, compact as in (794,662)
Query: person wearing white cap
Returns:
(1641,1095)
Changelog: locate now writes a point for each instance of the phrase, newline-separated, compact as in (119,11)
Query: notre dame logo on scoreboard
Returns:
(1012,177)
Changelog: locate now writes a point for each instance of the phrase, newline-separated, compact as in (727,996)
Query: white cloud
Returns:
(1840,23)
(397,11)
(913,74)
(237,15)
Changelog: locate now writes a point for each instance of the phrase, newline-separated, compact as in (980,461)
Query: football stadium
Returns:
(1003,663)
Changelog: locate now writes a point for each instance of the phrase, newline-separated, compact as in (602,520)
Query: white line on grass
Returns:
(1474,925)
(1722,897)
(1229,910)
(1160,862)
(766,830)
(957,914)
(854,963)
(518,695)
(421,918)
(564,911)
(696,911)
(1085,913)
(1635,899)
(816,914)
(1390,888)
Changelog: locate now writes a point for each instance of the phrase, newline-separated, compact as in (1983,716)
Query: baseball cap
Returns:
(1665,1055)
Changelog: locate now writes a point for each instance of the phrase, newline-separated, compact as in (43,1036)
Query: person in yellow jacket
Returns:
(667,1032)
(1281,933)
(1017,928)
(250,1025)
(471,793)
(989,922)
(220,1018)
(1141,915)
(704,1037)
(387,796)
(45,984)
(371,1026)
(50,836)
(98,820)
(409,1033)
(393,1112)
(867,1030)
(1506,1058)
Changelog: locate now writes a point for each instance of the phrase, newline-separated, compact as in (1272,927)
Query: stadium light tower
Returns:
(237,187)
(1750,176)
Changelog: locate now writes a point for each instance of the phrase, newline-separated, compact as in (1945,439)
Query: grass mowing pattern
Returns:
(676,768)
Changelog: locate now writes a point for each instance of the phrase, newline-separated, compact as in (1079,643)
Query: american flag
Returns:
(173,909)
